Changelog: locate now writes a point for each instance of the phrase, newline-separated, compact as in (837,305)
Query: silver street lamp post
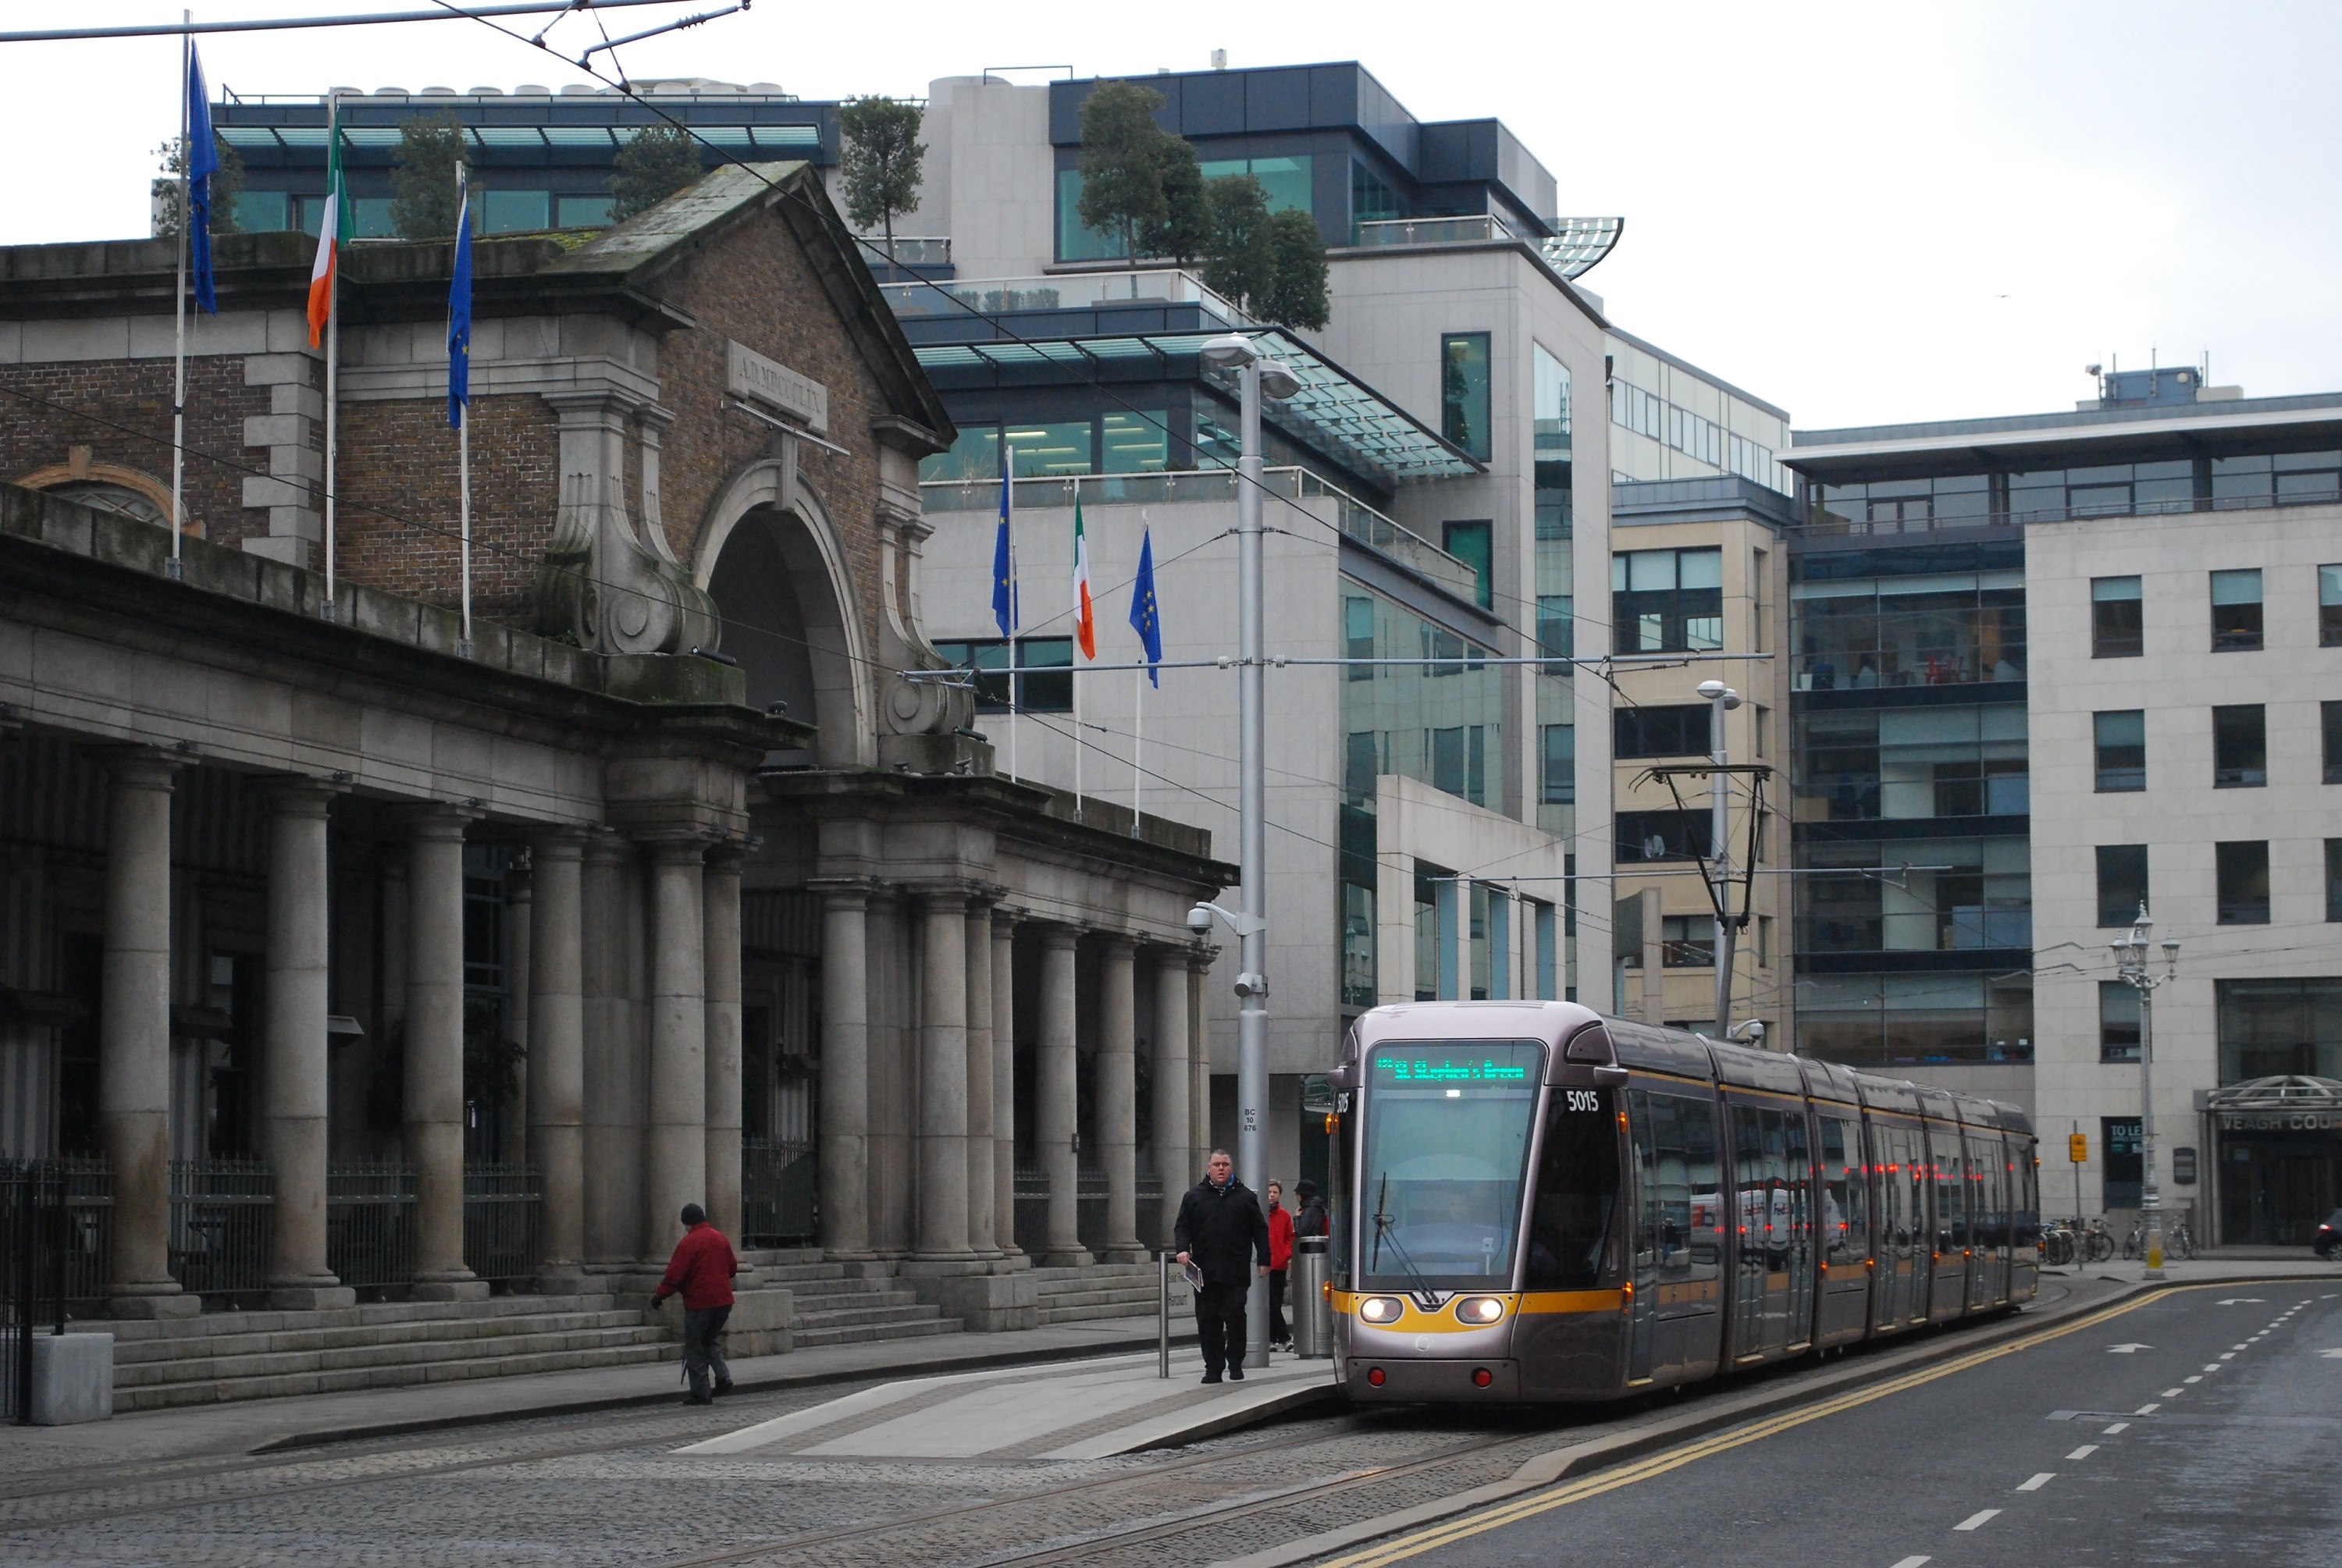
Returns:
(1258,377)
(2132,961)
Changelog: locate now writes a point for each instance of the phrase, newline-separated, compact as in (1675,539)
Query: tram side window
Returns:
(1768,1206)
(1798,1182)
(1704,1169)
(2027,1196)
(1577,1190)
(1951,1213)
(1675,1145)
(1846,1221)
(1989,1224)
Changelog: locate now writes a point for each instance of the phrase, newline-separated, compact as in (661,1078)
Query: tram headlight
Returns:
(1380,1309)
(1479,1310)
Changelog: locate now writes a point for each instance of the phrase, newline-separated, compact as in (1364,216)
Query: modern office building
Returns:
(2052,669)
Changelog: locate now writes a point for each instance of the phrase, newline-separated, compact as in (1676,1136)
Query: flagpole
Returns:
(1137,742)
(179,376)
(1015,609)
(464,430)
(333,351)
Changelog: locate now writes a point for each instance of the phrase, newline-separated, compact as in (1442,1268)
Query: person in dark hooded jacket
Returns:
(1223,1232)
(1310,1219)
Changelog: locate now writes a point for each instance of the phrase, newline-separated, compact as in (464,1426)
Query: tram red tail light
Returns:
(1482,1377)
(1375,1376)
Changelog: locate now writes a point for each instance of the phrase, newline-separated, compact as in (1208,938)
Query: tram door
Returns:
(1949,1168)
(1988,1228)
(1650,1236)
(1676,1328)
(1768,1214)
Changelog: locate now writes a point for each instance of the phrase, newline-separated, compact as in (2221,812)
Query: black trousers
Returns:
(703,1347)
(1220,1326)
(1278,1331)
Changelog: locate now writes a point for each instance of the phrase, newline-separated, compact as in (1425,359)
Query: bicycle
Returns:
(2058,1244)
(2180,1242)
(2134,1243)
(2098,1242)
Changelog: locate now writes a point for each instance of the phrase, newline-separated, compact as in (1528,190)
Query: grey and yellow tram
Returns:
(1544,1205)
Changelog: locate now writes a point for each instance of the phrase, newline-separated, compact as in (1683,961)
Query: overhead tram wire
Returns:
(283,24)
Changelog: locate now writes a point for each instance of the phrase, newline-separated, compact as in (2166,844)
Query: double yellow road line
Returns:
(1568,1493)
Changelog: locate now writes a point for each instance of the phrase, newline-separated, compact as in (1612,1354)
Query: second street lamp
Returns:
(2133,965)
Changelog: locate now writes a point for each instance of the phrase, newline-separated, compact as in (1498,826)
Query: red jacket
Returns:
(1280,1236)
(701,1270)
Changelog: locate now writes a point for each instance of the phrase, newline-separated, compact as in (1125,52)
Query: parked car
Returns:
(2329,1236)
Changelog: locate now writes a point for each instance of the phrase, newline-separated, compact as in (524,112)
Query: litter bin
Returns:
(1313,1315)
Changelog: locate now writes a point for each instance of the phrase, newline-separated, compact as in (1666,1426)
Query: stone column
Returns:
(981,1235)
(844,1074)
(520,932)
(1172,1121)
(675,1158)
(611,1098)
(1003,1083)
(134,1044)
(1055,1114)
(434,1050)
(720,904)
(1199,1061)
(942,1223)
(556,1053)
(292,1077)
(1117,1096)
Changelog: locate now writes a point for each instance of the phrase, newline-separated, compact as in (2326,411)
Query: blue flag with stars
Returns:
(1145,618)
(459,320)
(1004,571)
(200,150)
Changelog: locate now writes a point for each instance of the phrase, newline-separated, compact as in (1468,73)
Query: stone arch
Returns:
(772,561)
(109,487)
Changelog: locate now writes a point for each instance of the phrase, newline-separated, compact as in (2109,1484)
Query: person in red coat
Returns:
(701,1272)
(1280,1256)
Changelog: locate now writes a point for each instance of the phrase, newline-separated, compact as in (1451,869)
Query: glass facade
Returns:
(1936,630)
(1858,764)
(1464,391)
(1905,1019)
(1117,442)
(2204,484)
(1288,180)
(1915,896)
(2273,1028)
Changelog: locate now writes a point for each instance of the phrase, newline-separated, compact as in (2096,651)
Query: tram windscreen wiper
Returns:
(1383,1230)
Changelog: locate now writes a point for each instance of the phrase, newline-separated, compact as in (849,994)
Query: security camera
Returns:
(1200,918)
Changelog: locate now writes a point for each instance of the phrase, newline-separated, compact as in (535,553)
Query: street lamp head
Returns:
(1712,690)
(1230,348)
(1277,379)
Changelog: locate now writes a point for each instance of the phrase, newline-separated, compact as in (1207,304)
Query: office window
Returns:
(1688,940)
(1554,613)
(1037,692)
(1665,731)
(1764,942)
(1667,601)
(1549,417)
(582,212)
(1358,634)
(1644,835)
(2117,626)
(1136,443)
(1371,200)
(1361,760)
(2236,611)
(1558,785)
(1762,729)
(2122,883)
(2121,739)
(2117,1021)
(2334,879)
(1050,451)
(2244,885)
(2329,735)
(263,212)
(1464,391)
(974,456)
(2329,606)
(1459,761)
(2240,746)
(1471,543)
(515,212)
(1287,180)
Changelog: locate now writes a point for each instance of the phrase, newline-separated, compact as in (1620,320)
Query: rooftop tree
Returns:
(656,162)
(1122,156)
(881,163)
(422,205)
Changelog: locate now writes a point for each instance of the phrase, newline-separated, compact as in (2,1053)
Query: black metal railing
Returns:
(1032,1216)
(500,1216)
(779,1183)
(370,1223)
(44,1261)
(223,1216)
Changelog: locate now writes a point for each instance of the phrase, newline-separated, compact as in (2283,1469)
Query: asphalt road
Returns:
(2199,1427)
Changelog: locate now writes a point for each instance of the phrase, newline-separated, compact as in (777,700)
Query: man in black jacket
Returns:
(1221,1229)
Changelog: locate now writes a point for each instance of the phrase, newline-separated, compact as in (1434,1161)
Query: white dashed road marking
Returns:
(2038,1482)
(2170,1393)
(1976,1521)
(2084,1452)
(2117,1427)
(1913,1561)
(2151,1409)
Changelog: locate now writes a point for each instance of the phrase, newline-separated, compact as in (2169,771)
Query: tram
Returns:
(1544,1205)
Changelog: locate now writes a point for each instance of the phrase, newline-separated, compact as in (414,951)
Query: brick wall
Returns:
(136,394)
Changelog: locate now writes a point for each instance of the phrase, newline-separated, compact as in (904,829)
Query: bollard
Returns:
(1313,1313)
(1162,1321)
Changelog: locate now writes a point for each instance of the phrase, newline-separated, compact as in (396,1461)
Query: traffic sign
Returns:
(2077,1148)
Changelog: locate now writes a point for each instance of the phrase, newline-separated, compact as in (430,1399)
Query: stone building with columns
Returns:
(358,942)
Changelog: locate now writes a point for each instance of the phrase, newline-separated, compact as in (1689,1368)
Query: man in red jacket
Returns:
(701,1272)
(1280,1258)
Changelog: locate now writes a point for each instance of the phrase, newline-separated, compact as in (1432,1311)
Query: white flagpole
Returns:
(1015,605)
(463,431)
(1074,679)
(1137,742)
(179,380)
(332,353)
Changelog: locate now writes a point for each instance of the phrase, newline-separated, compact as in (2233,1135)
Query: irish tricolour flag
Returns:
(329,235)
(1085,617)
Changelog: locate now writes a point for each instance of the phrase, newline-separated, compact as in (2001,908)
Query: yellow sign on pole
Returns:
(2077,1148)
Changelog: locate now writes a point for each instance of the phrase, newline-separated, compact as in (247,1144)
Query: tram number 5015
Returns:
(1583,1099)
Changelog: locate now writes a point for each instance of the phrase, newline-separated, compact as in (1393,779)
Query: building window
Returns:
(1667,732)
(1464,391)
(2117,624)
(2329,606)
(1762,730)
(2122,883)
(1764,942)
(2117,1021)
(2334,879)
(1645,835)
(1361,761)
(1038,692)
(263,212)
(2244,890)
(2125,1167)
(1558,785)
(2121,737)
(582,212)
(1371,200)
(1472,544)
(1050,451)
(1286,181)
(2240,746)
(1136,443)
(1459,761)
(2236,611)
(1688,940)
(1359,633)
(515,212)
(1554,613)
(2269,1028)
(1667,601)
(1549,418)
(2329,735)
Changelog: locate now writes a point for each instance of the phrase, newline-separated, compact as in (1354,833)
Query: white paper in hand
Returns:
(1192,1274)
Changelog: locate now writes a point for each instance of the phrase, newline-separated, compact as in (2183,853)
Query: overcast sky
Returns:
(1863,212)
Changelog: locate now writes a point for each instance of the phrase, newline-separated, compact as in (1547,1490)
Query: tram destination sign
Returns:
(1392,1069)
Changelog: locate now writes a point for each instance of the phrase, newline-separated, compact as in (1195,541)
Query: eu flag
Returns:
(202,153)
(459,320)
(1004,571)
(1144,618)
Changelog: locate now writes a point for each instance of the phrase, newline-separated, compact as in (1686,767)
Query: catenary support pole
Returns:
(1252,1013)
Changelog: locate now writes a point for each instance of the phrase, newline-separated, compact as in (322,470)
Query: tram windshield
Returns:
(1447,1126)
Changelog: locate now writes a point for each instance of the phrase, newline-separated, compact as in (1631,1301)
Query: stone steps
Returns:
(401,1376)
(414,1357)
(1103,1291)
(135,1353)
(857,1334)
